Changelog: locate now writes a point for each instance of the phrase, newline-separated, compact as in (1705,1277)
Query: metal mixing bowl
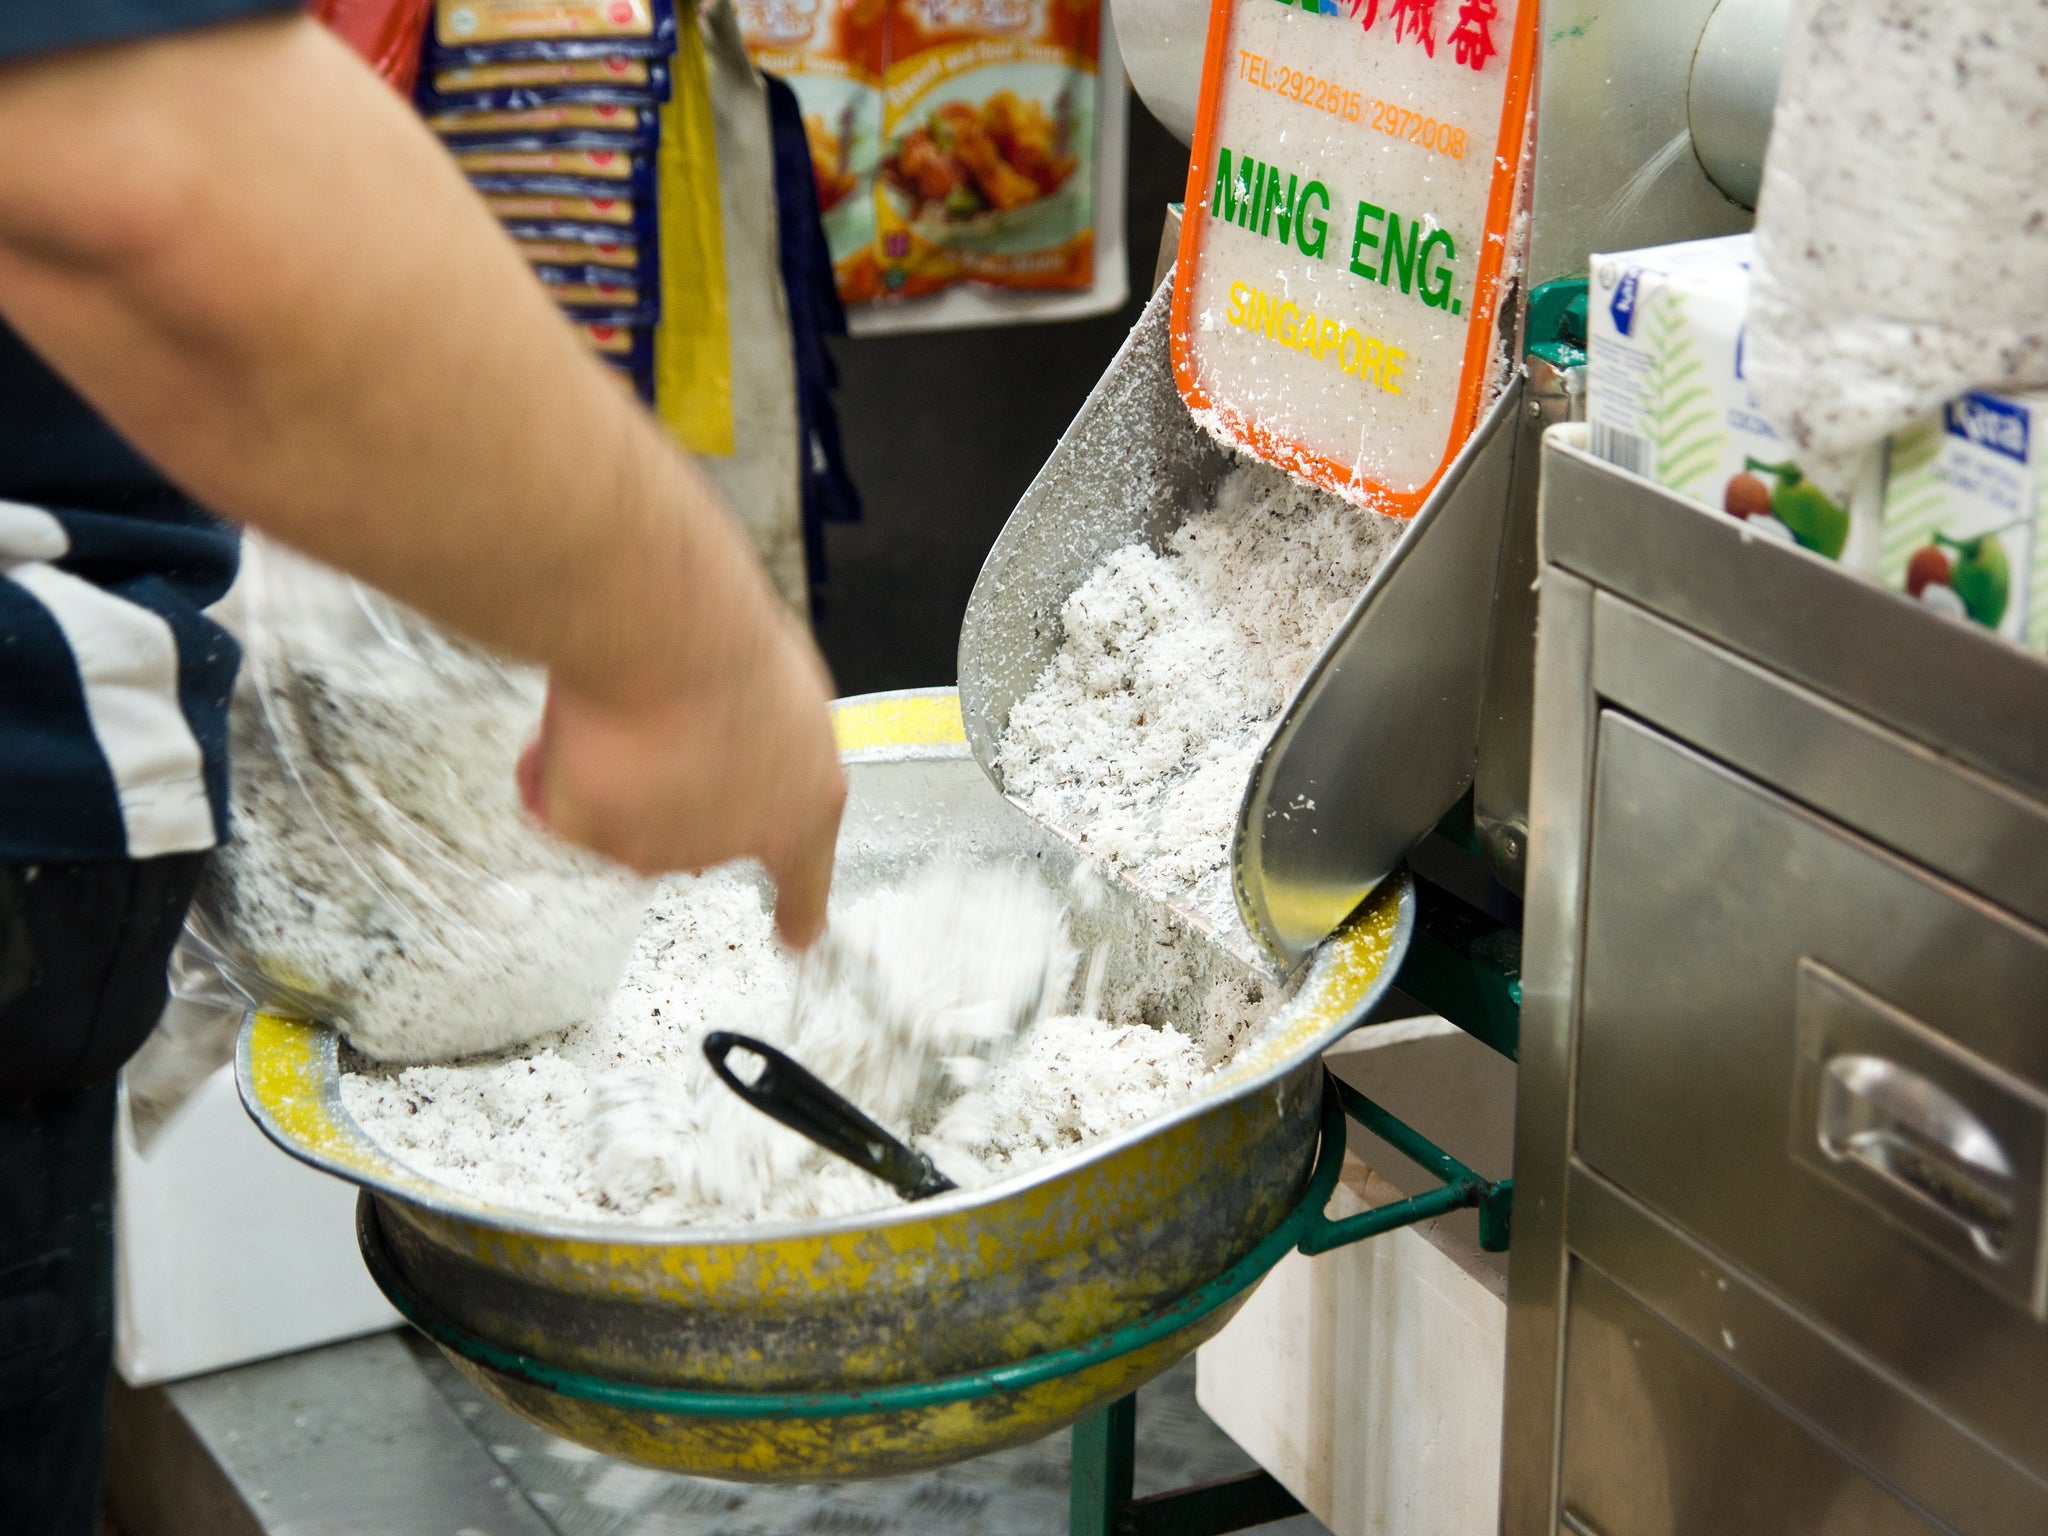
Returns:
(1051,1258)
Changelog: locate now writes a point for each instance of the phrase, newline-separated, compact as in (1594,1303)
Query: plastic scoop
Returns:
(795,1097)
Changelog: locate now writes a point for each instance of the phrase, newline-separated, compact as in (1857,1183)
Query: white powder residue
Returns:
(622,1119)
(1141,734)
(382,875)
(1902,230)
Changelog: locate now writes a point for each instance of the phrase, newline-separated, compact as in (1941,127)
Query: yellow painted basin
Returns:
(1050,1259)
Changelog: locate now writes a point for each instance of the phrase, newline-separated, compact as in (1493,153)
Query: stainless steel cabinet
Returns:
(1779,1251)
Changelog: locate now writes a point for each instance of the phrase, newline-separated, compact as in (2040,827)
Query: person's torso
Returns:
(114,684)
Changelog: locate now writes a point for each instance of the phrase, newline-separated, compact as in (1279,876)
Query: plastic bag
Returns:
(1902,231)
(382,875)
(193,1039)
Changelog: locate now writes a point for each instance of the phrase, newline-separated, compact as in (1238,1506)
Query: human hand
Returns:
(738,760)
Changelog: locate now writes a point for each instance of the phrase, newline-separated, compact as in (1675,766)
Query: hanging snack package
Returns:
(561,254)
(559,172)
(607,302)
(626,218)
(988,158)
(470,32)
(589,247)
(628,350)
(606,289)
(514,85)
(382,875)
(831,53)
(564,125)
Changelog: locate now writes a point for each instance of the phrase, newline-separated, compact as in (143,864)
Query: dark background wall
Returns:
(944,431)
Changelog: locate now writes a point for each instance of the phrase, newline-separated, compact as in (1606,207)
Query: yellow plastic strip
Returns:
(900,720)
(288,1084)
(693,339)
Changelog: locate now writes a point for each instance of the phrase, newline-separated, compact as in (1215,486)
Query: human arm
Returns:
(253,259)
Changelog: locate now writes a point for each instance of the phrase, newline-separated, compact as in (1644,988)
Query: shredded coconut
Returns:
(1173,665)
(621,1118)
(1074,1080)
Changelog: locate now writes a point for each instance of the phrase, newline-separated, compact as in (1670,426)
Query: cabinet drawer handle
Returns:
(1918,1137)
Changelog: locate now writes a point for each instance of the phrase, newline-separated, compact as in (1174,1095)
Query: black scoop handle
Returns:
(787,1093)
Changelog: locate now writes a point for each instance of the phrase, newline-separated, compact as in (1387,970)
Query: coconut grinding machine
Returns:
(1648,125)
(975,1320)
(1781,1257)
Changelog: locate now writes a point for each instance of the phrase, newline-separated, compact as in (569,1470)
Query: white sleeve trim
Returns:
(30,533)
(127,659)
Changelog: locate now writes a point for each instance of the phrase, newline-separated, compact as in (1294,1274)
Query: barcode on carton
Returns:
(1624,449)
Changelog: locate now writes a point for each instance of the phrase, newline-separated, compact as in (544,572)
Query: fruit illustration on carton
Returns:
(1963,504)
(1801,510)
(1975,584)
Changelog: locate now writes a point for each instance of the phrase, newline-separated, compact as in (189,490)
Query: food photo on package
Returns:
(988,159)
(831,54)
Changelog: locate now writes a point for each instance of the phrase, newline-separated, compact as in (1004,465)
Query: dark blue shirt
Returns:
(114,684)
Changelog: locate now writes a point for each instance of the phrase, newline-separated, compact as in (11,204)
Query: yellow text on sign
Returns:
(1321,337)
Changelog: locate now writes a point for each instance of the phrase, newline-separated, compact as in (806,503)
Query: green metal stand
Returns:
(1465,966)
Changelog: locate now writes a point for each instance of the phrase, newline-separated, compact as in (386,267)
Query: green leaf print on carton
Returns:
(1915,499)
(1678,413)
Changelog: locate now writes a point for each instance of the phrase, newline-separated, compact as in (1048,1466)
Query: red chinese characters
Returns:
(1415,21)
(1472,37)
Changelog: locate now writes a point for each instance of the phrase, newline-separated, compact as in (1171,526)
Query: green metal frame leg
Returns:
(1105,1455)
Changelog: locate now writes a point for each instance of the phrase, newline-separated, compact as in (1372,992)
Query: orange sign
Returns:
(1348,214)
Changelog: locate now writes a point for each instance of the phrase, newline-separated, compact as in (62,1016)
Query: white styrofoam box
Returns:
(227,1250)
(1369,1380)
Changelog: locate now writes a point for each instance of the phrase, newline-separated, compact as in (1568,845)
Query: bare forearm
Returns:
(255,261)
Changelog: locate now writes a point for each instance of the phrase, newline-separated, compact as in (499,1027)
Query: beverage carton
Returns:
(1962,509)
(1666,398)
